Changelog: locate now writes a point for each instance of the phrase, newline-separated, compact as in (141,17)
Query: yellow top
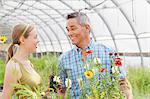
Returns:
(29,76)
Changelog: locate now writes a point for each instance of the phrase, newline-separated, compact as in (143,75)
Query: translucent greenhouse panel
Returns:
(145,44)
(31,17)
(40,6)
(44,41)
(97,2)
(58,12)
(24,7)
(143,18)
(127,45)
(98,26)
(63,24)
(49,21)
(49,32)
(57,47)
(11,2)
(35,12)
(132,61)
(55,4)
(146,61)
(65,46)
(116,22)
(44,48)
(41,15)
(30,2)
(42,35)
(138,14)
(135,61)
(59,32)
(107,42)
(3,12)
(76,4)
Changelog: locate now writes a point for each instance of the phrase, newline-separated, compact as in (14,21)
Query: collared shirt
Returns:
(71,65)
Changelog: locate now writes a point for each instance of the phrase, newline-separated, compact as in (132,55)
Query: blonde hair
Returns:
(19,30)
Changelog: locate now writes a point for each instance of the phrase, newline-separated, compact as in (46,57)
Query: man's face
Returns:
(76,32)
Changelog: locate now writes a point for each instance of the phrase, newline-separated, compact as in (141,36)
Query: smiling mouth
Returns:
(73,38)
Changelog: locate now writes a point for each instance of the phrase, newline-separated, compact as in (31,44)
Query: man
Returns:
(70,63)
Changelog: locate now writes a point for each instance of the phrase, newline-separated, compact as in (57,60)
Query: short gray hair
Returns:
(81,17)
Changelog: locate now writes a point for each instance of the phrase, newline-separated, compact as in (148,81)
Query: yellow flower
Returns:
(3,39)
(88,74)
(102,95)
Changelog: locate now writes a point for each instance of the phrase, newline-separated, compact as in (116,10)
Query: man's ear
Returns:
(88,28)
(21,39)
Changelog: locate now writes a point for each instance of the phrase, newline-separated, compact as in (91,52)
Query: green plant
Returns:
(2,71)
(45,66)
(140,81)
(98,84)
(138,77)
(26,92)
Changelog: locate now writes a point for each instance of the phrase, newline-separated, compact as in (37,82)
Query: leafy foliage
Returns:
(140,81)
(2,70)
(98,84)
(47,65)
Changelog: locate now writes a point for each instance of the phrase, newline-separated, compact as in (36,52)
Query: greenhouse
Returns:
(123,26)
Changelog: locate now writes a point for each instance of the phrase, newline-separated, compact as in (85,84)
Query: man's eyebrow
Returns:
(70,26)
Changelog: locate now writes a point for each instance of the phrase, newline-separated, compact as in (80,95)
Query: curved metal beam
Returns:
(20,19)
(44,23)
(36,23)
(105,22)
(148,1)
(56,21)
(15,8)
(132,27)
(47,24)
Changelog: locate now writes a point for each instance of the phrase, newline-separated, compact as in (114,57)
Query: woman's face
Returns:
(31,41)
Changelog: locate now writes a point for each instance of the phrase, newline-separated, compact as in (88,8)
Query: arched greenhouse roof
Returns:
(123,25)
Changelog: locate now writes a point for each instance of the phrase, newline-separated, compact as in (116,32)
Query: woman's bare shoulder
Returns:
(13,67)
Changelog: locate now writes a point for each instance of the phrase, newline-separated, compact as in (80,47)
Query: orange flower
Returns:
(85,53)
(102,69)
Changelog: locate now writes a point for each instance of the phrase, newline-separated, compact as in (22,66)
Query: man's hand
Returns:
(126,88)
(61,92)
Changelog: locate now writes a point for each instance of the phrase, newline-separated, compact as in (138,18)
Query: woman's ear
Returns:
(22,40)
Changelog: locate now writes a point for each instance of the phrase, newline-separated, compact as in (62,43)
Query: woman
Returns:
(18,68)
